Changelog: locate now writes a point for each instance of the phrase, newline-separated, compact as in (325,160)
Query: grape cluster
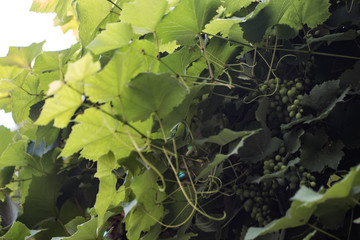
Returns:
(285,98)
(258,200)
(276,161)
(299,176)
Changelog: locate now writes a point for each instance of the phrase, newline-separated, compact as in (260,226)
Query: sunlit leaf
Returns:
(22,56)
(151,93)
(115,35)
(193,14)
(143,15)
(61,107)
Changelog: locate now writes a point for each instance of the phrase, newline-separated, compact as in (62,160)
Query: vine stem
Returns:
(114,4)
(203,47)
(322,231)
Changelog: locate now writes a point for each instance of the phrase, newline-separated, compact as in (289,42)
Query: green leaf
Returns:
(222,26)
(235,5)
(15,155)
(24,97)
(292,140)
(151,93)
(107,187)
(6,138)
(348,78)
(44,6)
(22,56)
(97,133)
(40,203)
(147,190)
(46,62)
(143,15)
(193,14)
(17,231)
(110,82)
(316,153)
(140,220)
(116,35)
(284,18)
(90,14)
(178,61)
(86,231)
(81,69)
(61,107)
(225,136)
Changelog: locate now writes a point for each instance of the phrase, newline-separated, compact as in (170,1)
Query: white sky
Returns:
(20,27)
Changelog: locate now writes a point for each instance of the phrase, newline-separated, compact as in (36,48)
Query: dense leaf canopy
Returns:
(185,119)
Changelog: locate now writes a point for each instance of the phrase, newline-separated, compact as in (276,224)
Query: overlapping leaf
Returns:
(61,107)
(151,93)
(97,133)
(193,14)
(115,35)
(143,15)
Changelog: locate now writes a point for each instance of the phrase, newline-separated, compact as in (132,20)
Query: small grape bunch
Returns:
(276,161)
(299,176)
(257,200)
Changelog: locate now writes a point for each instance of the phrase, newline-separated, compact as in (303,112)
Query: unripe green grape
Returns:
(275,185)
(299,85)
(272,165)
(308,175)
(312,178)
(298,115)
(267,172)
(273,104)
(301,169)
(284,99)
(278,157)
(297,102)
(283,91)
(292,114)
(300,97)
(312,184)
(276,168)
(272,192)
(263,88)
(282,167)
(265,207)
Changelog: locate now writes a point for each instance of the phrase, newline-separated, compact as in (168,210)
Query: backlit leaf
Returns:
(151,93)
(115,35)
(143,15)
(193,14)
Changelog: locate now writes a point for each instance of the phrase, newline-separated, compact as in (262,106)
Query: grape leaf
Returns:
(222,26)
(316,152)
(179,60)
(140,220)
(287,17)
(193,14)
(91,13)
(86,231)
(40,203)
(22,56)
(15,155)
(44,6)
(349,79)
(115,35)
(47,61)
(61,107)
(152,93)
(81,69)
(95,134)
(292,140)
(17,231)
(143,15)
(110,82)
(24,97)
(235,5)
